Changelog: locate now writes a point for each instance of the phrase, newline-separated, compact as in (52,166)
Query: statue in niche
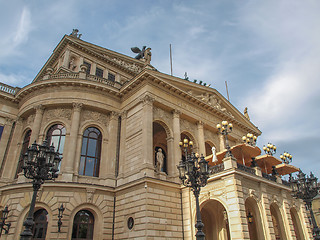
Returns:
(72,65)
(160,160)
(245,113)
(214,156)
(75,34)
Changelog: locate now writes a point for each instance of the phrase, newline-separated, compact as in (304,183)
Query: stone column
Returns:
(147,133)
(122,157)
(36,124)
(108,162)
(266,213)
(287,217)
(65,62)
(237,213)
(176,140)
(4,142)
(67,163)
(202,147)
(170,157)
(222,143)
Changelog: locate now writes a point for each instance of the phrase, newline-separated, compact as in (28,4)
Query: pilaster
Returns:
(176,140)
(202,148)
(37,123)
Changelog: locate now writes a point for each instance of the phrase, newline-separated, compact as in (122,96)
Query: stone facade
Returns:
(137,110)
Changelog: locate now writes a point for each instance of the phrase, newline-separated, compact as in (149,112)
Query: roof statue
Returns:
(145,53)
(245,113)
(75,34)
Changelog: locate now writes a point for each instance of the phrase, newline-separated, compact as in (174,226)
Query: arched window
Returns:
(56,135)
(90,152)
(83,225)
(40,224)
(24,149)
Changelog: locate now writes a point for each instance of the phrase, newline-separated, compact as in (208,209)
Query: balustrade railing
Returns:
(246,169)
(8,89)
(269,177)
(216,169)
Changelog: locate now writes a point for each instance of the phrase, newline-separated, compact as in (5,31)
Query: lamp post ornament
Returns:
(40,163)
(225,128)
(193,172)
(307,188)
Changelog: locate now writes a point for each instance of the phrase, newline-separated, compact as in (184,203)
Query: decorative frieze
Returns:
(95,116)
(57,113)
(130,66)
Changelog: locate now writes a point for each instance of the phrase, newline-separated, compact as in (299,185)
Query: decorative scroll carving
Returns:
(124,114)
(95,116)
(114,115)
(147,99)
(90,193)
(176,113)
(186,125)
(39,109)
(77,106)
(57,113)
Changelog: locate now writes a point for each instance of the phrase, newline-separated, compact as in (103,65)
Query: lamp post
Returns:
(250,139)
(286,158)
(306,188)
(194,172)
(225,128)
(61,210)
(3,225)
(40,163)
(270,149)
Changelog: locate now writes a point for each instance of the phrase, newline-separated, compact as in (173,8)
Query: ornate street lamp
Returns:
(225,128)
(270,149)
(250,139)
(194,172)
(306,188)
(286,158)
(61,210)
(3,225)
(40,163)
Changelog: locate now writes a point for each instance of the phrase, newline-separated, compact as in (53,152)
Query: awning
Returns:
(284,169)
(242,152)
(265,162)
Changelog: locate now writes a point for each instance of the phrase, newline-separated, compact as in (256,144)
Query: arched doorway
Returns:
(83,224)
(160,147)
(255,225)
(215,219)
(277,221)
(40,224)
(296,224)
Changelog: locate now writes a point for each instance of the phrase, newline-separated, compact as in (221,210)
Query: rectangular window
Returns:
(111,77)
(88,66)
(99,72)
(1,130)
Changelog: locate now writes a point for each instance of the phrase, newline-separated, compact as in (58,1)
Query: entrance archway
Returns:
(277,221)
(254,219)
(215,219)
(296,224)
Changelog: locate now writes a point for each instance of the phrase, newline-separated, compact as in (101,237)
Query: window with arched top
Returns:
(25,145)
(40,224)
(83,224)
(56,135)
(90,152)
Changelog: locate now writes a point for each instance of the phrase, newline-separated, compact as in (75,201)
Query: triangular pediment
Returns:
(71,52)
(203,96)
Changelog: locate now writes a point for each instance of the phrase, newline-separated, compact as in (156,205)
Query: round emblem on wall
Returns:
(130,223)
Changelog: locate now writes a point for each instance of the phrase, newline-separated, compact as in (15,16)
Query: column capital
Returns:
(124,114)
(200,124)
(147,99)
(114,115)
(176,113)
(9,121)
(77,106)
(39,109)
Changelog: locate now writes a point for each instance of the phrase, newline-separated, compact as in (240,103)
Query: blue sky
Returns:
(267,51)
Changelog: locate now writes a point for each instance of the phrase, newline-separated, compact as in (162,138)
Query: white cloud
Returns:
(24,27)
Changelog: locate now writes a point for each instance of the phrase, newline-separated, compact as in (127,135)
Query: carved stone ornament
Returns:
(124,114)
(186,125)
(147,99)
(114,115)
(77,106)
(130,66)
(95,116)
(159,113)
(90,193)
(57,113)
(30,120)
(254,194)
(275,199)
(39,109)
